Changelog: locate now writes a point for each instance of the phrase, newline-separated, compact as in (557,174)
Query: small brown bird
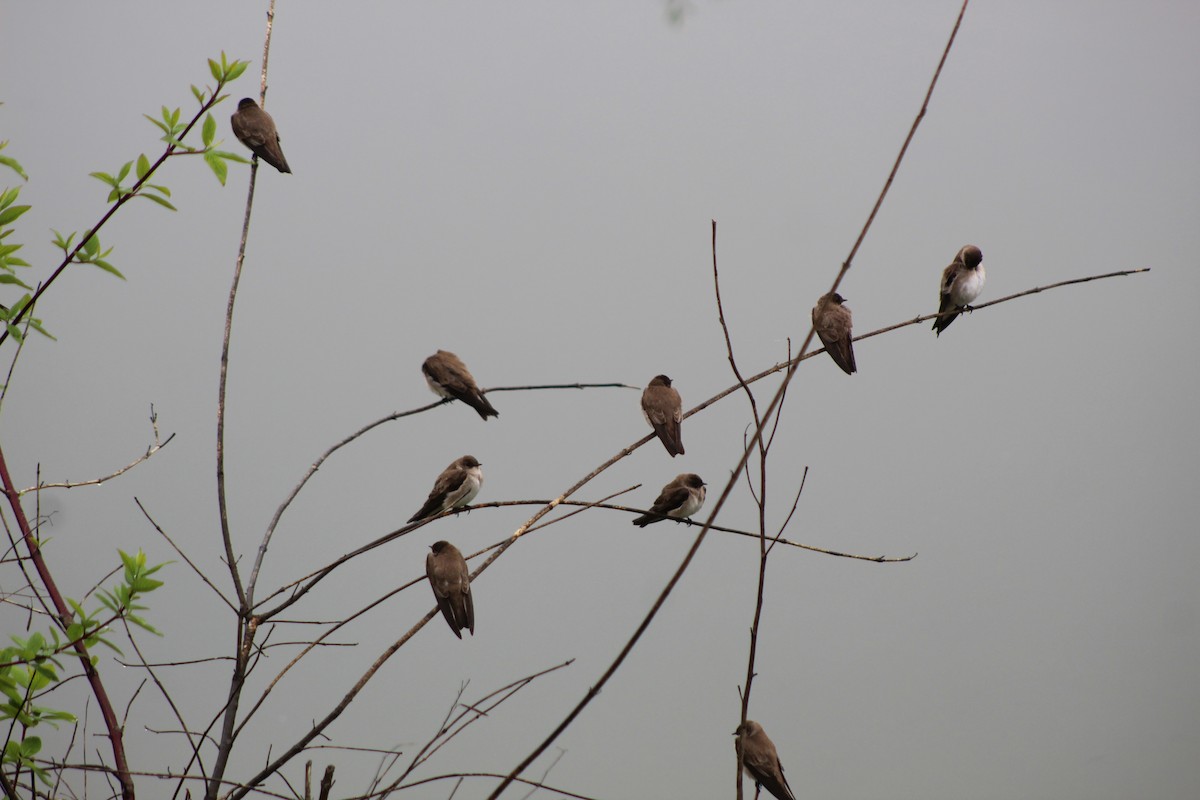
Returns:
(254,128)
(760,761)
(451,581)
(832,321)
(663,408)
(454,488)
(679,499)
(962,282)
(448,376)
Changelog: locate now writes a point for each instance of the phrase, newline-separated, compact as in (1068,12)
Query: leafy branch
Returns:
(89,250)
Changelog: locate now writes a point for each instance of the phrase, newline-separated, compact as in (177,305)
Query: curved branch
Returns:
(150,451)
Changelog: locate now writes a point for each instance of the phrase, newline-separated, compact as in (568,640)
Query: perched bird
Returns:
(448,376)
(664,411)
(454,488)
(760,761)
(680,499)
(831,319)
(962,282)
(451,581)
(254,128)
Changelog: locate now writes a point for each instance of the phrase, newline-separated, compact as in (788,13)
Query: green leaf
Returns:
(104,177)
(14,332)
(157,188)
(227,156)
(128,165)
(143,166)
(12,164)
(91,246)
(157,199)
(161,126)
(209,130)
(107,267)
(235,71)
(217,164)
(60,242)
(8,196)
(198,94)
(144,585)
(36,324)
(141,623)
(13,279)
(175,117)
(215,69)
(11,213)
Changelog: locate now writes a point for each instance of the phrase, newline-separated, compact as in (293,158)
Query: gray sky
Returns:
(530,185)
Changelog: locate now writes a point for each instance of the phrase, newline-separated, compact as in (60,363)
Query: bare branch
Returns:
(150,451)
(184,556)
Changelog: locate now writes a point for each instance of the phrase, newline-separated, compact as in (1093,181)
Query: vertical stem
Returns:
(247,625)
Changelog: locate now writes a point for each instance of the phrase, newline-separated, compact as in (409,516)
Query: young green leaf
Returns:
(107,267)
(157,199)
(235,71)
(217,165)
(215,69)
(11,213)
(7,278)
(36,324)
(12,164)
(143,166)
(226,155)
(209,130)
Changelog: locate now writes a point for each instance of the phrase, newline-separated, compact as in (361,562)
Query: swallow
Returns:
(663,409)
(448,376)
(451,581)
(760,761)
(454,488)
(832,320)
(962,282)
(254,128)
(679,499)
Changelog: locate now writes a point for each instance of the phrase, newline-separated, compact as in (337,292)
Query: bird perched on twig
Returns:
(454,488)
(255,128)
(760,761)
(448,376)
(962,282)
(663,409)
(679,499)
(832,320)
(451,581)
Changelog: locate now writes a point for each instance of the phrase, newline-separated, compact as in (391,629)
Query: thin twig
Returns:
(184,555)
(150,451)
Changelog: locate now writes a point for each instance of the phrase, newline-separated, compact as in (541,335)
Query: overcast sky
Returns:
(530,185)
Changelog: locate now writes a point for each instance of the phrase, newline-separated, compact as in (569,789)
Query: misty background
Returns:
(530,185)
